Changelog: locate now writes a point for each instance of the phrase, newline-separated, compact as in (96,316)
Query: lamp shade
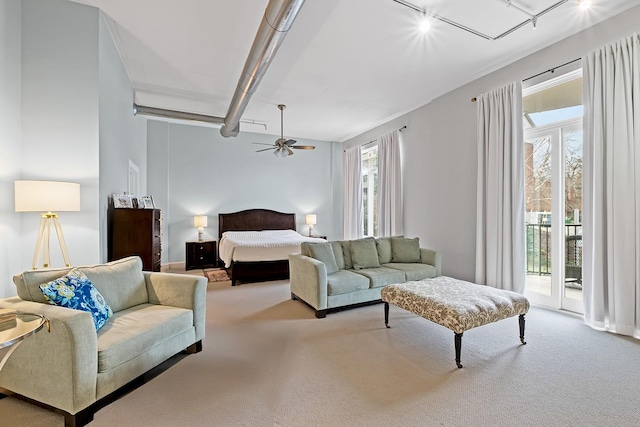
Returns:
(46,196)
(310,219)
(200,221)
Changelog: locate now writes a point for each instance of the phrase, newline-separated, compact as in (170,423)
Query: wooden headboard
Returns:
(255,220)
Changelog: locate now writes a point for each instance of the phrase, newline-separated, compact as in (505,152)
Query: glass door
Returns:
(553,206)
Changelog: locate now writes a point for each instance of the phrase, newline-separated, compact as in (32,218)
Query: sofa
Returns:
(76,369)
(335,275)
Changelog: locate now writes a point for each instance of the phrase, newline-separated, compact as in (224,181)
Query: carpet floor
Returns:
(267,361)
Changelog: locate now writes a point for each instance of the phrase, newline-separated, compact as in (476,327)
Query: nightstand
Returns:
(201,255)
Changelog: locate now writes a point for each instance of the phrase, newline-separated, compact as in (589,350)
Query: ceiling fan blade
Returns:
(290,142)
(262,143)
(264,149)
(304,147)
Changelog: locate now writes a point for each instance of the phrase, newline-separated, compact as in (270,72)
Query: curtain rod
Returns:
(550,70)
(374,140)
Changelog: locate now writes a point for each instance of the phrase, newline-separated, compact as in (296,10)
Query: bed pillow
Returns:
(405,250)
(364,253)
(323,252)
(74,290)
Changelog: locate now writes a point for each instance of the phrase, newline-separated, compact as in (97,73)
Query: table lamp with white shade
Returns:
(311,219)
(200,222)
(48,198)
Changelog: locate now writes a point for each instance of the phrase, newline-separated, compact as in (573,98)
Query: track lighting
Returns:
(585,4)
(534,21)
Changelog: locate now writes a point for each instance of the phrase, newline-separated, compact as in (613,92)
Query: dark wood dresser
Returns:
(136,232)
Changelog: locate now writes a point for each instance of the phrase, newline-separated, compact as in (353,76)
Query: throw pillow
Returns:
(74,290)
(383,244)
(405,250)
(346,251)
(323,252)
(338,254)
(364,253)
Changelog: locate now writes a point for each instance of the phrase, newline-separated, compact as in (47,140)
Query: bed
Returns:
(263,254)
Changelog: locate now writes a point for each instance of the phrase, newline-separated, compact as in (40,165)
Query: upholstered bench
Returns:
(455,304)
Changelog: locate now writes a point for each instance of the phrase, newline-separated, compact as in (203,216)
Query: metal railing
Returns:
(538,239)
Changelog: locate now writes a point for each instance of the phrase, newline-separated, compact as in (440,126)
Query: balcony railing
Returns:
(539,250)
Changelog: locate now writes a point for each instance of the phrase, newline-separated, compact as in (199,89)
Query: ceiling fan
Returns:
(283,147)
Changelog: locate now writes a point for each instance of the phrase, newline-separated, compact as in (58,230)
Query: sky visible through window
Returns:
(553,116)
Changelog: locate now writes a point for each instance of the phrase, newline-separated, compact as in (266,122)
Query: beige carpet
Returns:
(267,361)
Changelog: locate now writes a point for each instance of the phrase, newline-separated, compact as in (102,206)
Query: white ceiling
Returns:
(345,66)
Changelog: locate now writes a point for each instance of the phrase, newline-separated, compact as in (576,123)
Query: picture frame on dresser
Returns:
(122,201)
(146,202)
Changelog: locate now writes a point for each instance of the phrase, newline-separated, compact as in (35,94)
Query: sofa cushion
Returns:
(405,250)
(346,251)
(338,254)
(364,253)
(74,290)
(382,276)
(136,330)
(120,282)
(345,281)
(323,252)
(414,270)
(383,245)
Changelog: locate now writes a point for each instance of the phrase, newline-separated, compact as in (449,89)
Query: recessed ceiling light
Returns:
(585,4)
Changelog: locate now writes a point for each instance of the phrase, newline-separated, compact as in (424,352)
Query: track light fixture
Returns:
(533,18)
(585,4)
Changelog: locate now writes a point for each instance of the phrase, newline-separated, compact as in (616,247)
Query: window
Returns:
(370,190)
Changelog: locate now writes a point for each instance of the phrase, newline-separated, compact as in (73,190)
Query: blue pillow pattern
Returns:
(75,290)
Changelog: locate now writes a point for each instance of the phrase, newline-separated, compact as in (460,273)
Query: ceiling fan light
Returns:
(281,152)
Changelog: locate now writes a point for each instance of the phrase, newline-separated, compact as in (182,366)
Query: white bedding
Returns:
(267,245)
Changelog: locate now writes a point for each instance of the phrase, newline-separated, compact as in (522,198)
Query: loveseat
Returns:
(74,368)
(333,275)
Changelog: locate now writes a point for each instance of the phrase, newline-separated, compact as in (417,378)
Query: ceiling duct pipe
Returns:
(277,20)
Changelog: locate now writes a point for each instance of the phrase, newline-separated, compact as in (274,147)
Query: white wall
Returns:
(65,114)
(440,154)
(123,136)
(193,169)
(10,242)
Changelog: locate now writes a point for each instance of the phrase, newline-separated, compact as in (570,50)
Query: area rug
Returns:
(218,275)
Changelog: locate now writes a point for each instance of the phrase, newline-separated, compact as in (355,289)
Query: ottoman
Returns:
(455,304)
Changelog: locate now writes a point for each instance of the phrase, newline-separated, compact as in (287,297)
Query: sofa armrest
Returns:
(308,278)
(179,290)
(60,367)
(432,257)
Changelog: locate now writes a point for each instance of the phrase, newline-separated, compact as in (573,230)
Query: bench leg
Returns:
(386,314)
(458,343)
(521,321)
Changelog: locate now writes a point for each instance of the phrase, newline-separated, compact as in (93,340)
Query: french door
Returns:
(553,206)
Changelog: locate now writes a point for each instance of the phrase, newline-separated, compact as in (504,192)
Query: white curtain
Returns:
(611,187)
(352,163)
(500,232)
(389,186)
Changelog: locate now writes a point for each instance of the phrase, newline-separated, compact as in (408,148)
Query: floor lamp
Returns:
(48,198)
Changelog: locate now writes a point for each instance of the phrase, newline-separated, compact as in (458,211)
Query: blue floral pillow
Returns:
(75,290)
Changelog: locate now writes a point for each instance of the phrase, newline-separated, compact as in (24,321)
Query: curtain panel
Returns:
(352,194)
(500,229)
(611,187)
(390,220)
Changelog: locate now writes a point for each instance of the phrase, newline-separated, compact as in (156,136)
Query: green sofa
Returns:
(335,275)
(72,367)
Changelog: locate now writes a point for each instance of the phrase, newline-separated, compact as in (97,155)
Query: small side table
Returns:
(201,255)
(25,325)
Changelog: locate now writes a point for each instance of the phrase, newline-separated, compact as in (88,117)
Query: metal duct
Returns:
(277,20)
